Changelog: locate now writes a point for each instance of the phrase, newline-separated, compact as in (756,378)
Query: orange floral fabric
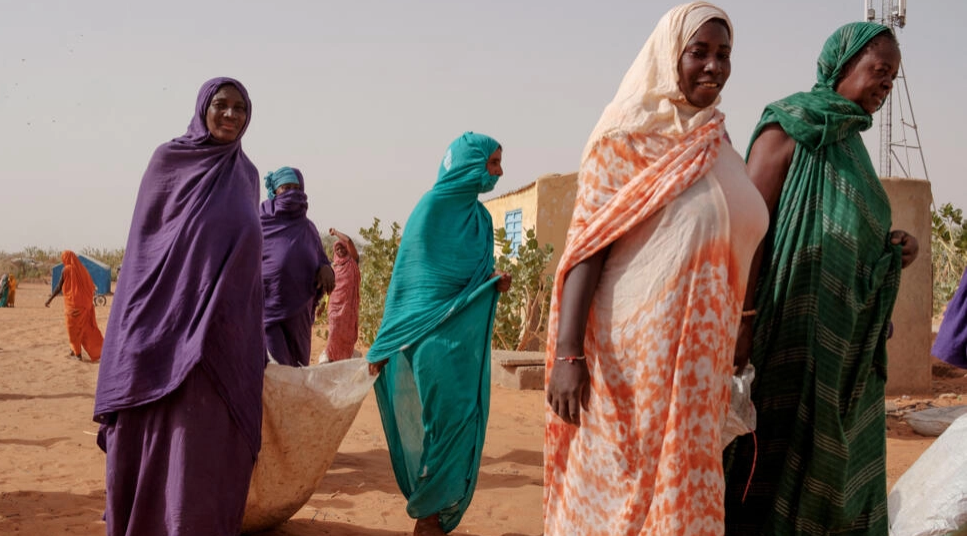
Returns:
(647,458)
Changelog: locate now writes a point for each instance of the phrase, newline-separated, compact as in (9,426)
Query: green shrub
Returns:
(521,322)
(32,264)
(376,265)
(948,253)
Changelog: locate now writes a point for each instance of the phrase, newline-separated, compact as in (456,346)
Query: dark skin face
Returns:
(866,80)
(226,114)
(868,77)
(704,65)
(286,187)
(494,163)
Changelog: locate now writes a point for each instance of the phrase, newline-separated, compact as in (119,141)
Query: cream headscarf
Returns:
(649,98)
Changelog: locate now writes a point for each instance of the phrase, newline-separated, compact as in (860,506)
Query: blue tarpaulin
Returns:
(100,273)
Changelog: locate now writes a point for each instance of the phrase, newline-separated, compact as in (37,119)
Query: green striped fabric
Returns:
(824,300)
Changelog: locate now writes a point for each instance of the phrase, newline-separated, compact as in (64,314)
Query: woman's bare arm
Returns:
(568,383)
(768,165)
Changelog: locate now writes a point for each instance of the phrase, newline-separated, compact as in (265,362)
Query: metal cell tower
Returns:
(895,147)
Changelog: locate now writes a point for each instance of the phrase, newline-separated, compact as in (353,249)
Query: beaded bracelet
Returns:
(570,359)
(747,314)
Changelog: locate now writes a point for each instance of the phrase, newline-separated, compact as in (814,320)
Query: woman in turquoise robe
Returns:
(433,350)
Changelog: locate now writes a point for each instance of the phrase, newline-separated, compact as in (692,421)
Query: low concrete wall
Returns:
(909,350)
(518,370)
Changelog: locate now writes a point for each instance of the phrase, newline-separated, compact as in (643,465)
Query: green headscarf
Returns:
(841,46)
(822,116)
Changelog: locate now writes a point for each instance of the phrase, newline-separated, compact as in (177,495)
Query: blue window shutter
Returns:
(512,227)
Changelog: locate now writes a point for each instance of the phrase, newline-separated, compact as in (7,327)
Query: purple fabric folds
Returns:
(149,448)
(191,291)
(292,253)
(290,341)
(951,345)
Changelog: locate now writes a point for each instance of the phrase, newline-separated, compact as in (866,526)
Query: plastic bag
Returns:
(930,497)
(741,418)
(306,413)
(934,421)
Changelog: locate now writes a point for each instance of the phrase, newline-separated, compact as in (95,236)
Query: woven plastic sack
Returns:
(930,497)
(741,418)
(306,412)
(933,422)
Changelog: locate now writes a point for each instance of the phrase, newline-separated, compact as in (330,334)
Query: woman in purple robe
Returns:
(295,270)
(179,392)
(951,342)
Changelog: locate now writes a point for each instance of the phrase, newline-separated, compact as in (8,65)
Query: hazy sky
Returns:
(364,96)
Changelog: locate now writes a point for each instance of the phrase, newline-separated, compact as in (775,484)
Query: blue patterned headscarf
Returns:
(283,175)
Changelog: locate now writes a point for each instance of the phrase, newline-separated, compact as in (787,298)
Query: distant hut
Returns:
(100,273)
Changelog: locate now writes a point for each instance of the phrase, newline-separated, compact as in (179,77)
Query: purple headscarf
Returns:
(292,252)
(191,292)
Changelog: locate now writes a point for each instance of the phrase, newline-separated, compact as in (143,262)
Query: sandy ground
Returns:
(51,471)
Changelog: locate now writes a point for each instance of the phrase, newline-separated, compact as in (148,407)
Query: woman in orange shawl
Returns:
(78,289)
(648,298)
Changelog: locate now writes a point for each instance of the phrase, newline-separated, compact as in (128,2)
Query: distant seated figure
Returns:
(78,289)
(4,290)
(13,291)
(950,345)
(344,303)
(295,270)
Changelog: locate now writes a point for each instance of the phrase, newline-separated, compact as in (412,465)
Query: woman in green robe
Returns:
(433,349)
(819,304)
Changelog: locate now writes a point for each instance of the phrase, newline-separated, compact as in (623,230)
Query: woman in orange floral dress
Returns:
(648,298)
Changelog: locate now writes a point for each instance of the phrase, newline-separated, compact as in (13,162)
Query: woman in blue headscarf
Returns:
(295,270)
(179,391)
(433,349)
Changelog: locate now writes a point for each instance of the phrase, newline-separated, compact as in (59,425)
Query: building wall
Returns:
(524,199)
(555,202)
(546,206)
(909,350)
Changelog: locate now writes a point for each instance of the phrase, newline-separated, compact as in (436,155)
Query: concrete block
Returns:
(909,350)
(517,370)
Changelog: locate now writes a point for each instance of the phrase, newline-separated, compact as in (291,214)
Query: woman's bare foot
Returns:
(428,526)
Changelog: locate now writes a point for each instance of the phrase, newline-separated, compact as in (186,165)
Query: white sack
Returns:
(934,421)
(929,498)
(306,412)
